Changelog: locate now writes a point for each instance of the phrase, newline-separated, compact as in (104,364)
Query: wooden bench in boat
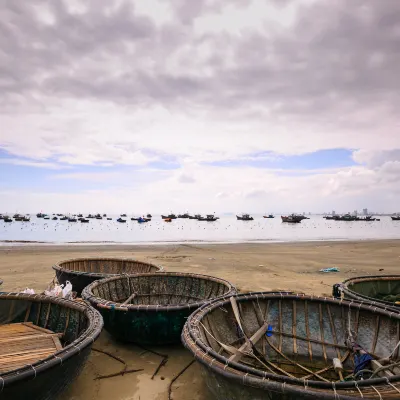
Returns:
(23,344)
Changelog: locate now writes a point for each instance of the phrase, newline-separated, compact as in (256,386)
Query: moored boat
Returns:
(170,216)
(152,308)
(260,346)
(395,217)
(121,220)
(293,218)
(244,217)
(45,343)
(83,271)
(269,216)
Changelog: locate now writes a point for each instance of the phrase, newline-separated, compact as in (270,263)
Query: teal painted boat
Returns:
(75,324)
(152,308)
(83,271)
(380,290)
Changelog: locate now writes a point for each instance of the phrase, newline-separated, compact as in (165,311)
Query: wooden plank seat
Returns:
(23,344)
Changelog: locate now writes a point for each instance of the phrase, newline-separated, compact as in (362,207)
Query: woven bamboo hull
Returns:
(371,288)
(147,328)
(82,272)
(229,386)
(160,306)
(293,359)
(79,324)
(50,385)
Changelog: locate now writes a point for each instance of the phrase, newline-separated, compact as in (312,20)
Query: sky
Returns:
(205,106)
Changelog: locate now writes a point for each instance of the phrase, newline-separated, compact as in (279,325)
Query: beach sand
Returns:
(251,267)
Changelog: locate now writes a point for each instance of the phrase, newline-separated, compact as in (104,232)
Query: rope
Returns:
(377,391)
(392,353)
(356,385)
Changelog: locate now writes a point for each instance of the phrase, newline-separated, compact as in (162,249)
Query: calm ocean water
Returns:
(226,229)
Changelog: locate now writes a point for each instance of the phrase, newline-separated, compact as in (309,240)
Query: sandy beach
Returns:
(251,267)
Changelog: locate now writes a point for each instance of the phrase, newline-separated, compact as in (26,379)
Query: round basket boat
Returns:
(83,271)
(42,371)
(282,346)
(152,308)
(377,290)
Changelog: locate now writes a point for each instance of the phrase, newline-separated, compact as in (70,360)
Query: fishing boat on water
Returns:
(7,219)
(121,220)
(45,342)
(123,215)
(186,215)
(258,346)
(208,218)
(293,218)
(40,215)
(149,216)
(152,308)
(269,216)
(395,217)
(64,218)
(244,217)
(72,219)
(171,216)
(84,271)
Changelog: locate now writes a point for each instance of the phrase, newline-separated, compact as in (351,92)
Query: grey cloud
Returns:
(339,58)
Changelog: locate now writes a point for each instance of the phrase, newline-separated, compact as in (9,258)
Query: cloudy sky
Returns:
(206,105)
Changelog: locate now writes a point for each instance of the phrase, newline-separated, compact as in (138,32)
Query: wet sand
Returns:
(251,267)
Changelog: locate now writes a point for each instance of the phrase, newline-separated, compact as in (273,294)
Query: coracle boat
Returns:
(152,308)
(45,342)
(380,290)
(290,347)
(83,271)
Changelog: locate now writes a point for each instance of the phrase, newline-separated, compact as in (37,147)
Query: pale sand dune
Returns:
(251,267)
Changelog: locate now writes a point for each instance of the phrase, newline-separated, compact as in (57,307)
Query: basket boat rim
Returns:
(220,364)
(96,301)
(348,283)
(85,339)
(59,267)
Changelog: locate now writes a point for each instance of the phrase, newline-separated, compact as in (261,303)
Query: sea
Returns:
(227,229)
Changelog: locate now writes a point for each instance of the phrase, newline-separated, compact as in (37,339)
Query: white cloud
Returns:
(129,83)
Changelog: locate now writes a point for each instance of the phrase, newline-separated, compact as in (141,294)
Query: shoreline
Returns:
(23,243)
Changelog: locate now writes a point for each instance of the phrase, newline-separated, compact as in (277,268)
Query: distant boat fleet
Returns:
(349,217)
(292,218)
